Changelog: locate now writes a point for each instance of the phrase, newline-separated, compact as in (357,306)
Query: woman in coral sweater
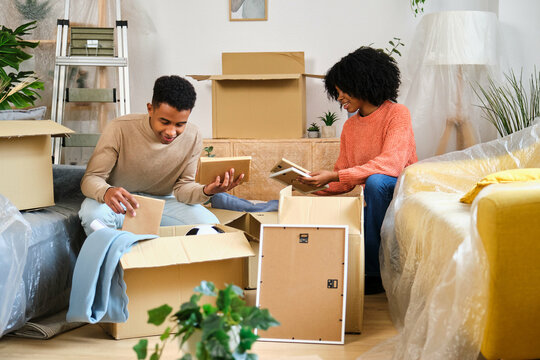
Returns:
(377,143)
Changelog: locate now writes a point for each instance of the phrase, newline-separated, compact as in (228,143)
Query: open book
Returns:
(286,172)
(209,168)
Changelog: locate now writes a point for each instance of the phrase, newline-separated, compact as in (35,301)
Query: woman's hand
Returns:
(228,183)
(319,178)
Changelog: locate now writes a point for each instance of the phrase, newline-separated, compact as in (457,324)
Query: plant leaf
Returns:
(141,349)
(206,288)
(158,315)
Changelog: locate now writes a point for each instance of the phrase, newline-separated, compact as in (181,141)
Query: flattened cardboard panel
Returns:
(265,155)
(26,178)
(263,63)
(308,299)
(147,216)
(258,109)
(152,287)
(355,285)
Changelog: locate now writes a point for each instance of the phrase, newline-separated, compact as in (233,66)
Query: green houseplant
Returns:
(220,331)
(510,107)
(18,89)
(313,130)
(329,118)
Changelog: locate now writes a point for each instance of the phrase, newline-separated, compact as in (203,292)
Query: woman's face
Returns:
(349,103)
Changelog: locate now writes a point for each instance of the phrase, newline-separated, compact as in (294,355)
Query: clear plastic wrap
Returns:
(433,262)
(15,235)
(451,52)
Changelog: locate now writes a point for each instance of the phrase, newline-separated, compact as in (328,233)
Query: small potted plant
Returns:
(223,330)
(313,131)
(329,118)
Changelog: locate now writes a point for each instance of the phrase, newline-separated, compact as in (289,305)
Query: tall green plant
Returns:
(20,88)
(509,107)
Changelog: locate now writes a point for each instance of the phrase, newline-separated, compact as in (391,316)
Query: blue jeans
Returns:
(378,193)
(174,213)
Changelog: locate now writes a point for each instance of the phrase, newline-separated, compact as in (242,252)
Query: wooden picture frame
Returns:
(248,10)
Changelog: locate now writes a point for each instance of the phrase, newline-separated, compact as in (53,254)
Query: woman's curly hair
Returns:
(367,73)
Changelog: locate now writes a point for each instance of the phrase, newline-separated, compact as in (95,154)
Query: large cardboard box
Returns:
(260,95)
(334,210)
(165,270)
(26,163)
(302,282)
(250,223)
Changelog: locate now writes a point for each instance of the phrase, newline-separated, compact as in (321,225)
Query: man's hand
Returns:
(319,178)
(115,197)
(228,183)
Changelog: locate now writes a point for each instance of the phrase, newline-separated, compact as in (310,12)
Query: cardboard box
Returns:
(250,224)
(334,210)
(302,282)
(260,95)
(165,270)
(25,160)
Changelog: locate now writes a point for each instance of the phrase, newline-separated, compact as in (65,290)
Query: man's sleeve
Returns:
(186,190)
(94,182)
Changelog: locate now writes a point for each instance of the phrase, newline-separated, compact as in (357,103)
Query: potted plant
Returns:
(313,131)
(223,330)
(17,89)
(510,107)
(329,118)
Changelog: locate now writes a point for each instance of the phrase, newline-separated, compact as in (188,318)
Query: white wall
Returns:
(187,37)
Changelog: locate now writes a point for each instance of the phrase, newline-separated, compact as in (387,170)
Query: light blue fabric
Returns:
(231,202)
(174,213)
(98,291)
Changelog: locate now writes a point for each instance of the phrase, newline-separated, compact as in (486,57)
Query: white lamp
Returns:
(458,42)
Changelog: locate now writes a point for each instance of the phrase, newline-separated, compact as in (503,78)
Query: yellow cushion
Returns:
(507,176)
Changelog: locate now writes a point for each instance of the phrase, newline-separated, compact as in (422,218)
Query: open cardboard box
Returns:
(250,224)
(165,270)
(274,86)
(334,210)
(26,163)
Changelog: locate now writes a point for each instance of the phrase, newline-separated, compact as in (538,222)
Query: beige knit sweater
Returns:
(129,154)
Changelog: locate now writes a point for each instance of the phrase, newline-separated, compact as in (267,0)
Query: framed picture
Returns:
(248,10)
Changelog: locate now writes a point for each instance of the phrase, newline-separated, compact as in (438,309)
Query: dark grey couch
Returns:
(57,236)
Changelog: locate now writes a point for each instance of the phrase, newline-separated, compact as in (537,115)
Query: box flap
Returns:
(20,128)
(227,216)
(316,76)
(262,62)
(321,210)
(248,77)
(175,250)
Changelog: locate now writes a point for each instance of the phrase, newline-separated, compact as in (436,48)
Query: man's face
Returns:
(167,122)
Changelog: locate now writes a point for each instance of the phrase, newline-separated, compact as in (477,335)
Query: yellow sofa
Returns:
(463,279)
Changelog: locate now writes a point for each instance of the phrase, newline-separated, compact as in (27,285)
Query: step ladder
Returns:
(63,59)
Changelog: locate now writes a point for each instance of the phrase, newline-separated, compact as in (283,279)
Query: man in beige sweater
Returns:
(155,155)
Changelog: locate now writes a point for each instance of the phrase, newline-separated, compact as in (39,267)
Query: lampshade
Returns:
(460,38)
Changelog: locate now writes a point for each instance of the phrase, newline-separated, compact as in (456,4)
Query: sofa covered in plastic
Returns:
(38,250)
(463,279)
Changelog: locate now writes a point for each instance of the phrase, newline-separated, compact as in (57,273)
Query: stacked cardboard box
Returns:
(260,95)
(25,160)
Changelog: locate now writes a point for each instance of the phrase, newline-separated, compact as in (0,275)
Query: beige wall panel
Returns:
(265,154)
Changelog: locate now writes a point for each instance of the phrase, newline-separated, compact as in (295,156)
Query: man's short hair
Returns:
(174,91)
(366,73)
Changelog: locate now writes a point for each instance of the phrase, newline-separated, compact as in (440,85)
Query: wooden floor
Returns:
(90,342)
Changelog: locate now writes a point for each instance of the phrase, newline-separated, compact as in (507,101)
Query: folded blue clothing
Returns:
(98,291)
(231,202)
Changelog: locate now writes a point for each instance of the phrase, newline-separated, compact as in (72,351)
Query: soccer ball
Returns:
(204,230)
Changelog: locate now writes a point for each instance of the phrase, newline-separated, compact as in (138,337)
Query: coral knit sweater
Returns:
(380,143)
